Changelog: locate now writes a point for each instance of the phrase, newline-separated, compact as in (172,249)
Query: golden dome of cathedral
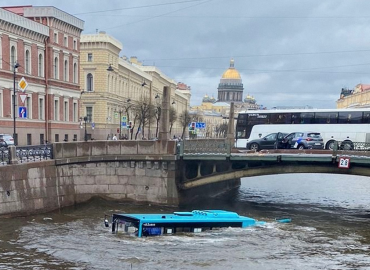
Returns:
(231,73)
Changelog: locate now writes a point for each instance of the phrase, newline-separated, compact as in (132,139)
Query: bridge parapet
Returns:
(219,147)
(103,148)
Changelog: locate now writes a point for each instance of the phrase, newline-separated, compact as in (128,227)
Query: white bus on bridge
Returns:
(344,125)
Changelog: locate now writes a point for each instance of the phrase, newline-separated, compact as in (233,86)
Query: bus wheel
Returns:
(330,145)
(300,147)
(255,147)
(346,145)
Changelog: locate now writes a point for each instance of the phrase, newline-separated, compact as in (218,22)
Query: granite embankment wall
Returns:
(120,170)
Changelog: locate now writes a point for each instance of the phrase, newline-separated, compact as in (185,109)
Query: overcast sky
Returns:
(288,52)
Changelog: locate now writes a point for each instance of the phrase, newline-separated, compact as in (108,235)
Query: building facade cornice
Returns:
(19,21)
(54,13)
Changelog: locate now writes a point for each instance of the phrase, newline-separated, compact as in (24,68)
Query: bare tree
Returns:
(157,113)
(185,120)
(142,114)
(173,117)
(221,130)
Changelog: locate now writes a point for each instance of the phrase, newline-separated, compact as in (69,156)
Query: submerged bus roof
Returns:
(193,216)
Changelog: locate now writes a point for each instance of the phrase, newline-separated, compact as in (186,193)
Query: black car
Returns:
(271,141)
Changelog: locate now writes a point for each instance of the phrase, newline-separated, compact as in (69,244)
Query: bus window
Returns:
(350,117)
(240,132)
(366,117)
(307,118)
(296,118)
(242,119)
(258,119)
(326,118)
(280,118)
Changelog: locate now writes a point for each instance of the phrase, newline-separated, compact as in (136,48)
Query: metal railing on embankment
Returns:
(26,153)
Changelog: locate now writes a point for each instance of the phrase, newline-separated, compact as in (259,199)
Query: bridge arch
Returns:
(281,168)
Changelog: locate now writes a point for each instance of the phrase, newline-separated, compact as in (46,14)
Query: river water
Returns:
(330,229)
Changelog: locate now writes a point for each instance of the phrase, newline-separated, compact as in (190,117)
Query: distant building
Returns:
(112,85)
(230,88)
(359,97)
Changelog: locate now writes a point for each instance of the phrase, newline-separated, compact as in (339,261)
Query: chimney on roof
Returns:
(133,60)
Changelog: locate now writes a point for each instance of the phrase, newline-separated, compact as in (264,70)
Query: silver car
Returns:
(304,140)
(6,139)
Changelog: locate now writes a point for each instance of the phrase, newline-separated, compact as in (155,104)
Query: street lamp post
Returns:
(120,122)
(16,65)
(85,120)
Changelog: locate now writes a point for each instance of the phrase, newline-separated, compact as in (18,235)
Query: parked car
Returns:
(6,139)
(304,140)
(270,141)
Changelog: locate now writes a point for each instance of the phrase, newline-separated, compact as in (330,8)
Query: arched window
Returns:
(65,70)
(75,73)
(89,80)
(12,57)
(41,62)
(27,64)
(56,64)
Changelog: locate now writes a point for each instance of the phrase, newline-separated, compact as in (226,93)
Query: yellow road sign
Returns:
(23,84)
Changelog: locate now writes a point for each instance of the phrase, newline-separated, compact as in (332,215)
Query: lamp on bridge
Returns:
(85,121)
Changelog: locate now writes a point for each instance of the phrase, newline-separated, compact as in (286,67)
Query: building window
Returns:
(66,111)
(56,137)
(12,57)
(75,73)
(41,108)
(65,70)
(89,113)
(41,63)
(29,139)
(42,138)
(29,107)
(75,45)
(89,57)
(56,110)
(89,81)
(75,112)
(56,63)
(27,62)
(66,41)
(56,37)
(65,137)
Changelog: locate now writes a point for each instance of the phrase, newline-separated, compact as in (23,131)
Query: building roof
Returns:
(101,37)
(221,104)
(362,87)
(13,18)
(231,72)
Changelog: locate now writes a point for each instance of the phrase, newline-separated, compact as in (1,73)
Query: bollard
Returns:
(13,154)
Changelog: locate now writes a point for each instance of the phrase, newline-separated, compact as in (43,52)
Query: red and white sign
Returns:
(23,97)
(343,163)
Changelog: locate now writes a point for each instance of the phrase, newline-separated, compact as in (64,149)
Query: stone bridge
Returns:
(165,172)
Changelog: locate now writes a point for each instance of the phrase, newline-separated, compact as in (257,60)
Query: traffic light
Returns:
(192,126)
